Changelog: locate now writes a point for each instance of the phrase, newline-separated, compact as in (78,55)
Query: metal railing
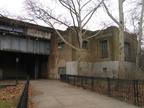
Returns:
(23,102)
(127,90)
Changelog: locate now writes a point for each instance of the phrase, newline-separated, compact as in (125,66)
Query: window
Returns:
(61,45)
(127,51)
(104,48)
(84,46)
(61,70)
(104,70)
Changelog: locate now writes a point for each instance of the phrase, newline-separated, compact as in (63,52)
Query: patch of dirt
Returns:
(13,94)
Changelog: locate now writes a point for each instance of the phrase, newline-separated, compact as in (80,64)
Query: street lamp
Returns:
(17,60)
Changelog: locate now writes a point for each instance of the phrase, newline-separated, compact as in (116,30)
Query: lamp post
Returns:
(17,60)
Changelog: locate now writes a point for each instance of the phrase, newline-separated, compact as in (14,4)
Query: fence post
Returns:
(74,80)
(86,79)
(108,82)
(63,77)
(92,83)
(60,77)
(135,92)
(68,78)
(81,81)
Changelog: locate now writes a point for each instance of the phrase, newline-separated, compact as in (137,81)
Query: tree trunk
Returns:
(121,54)
(121,41)
(139,39)
(138,53)
(79,62)
(138,57)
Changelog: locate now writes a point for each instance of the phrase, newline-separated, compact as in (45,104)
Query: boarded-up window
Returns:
(104,48)
(61,70)
(127,51)
(105,70)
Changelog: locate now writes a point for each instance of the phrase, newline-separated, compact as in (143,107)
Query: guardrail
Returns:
(23,102)
(127,90)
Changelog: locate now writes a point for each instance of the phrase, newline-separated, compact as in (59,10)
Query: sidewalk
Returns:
(56,94)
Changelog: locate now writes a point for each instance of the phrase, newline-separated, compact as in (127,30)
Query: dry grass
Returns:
(9,97)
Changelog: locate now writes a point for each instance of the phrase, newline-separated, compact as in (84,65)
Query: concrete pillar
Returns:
(36,66)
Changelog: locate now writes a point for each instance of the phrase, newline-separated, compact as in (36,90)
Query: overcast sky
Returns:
(12,6)
(16,7)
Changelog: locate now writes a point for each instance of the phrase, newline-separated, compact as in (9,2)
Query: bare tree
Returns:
(120,23)
(136,20)
(139,35)
(80,14)
(91,63)
(7,14)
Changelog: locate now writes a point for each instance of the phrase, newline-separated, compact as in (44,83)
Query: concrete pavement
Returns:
(56,94)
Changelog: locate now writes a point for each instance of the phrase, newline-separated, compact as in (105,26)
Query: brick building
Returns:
(42,54)
(100,53)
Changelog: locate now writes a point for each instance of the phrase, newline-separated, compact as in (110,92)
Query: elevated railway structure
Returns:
(24,49)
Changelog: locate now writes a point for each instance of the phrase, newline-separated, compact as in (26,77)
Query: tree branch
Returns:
(111,16)
(63,39)
(90,14)
(94,34)
(85,4)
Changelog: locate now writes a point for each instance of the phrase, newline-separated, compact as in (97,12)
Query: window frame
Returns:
(104,48)
(127,51)
(85,45)
(61,70)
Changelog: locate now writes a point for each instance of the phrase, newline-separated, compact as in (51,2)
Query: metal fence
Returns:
(127,90)
(23,102)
